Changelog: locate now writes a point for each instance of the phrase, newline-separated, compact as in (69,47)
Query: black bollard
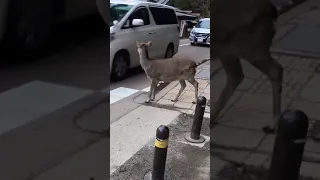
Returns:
(194,136)
(160,156)
(289,145)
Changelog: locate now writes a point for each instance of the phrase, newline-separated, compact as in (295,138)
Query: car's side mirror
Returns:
(137,22)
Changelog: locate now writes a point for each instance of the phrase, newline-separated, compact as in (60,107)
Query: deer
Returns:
(180,69)
(244,30)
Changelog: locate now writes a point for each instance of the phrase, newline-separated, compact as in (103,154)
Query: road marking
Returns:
(133,131)
(120,93)
(147,89)
(123,92)
(26,103)
(184,45)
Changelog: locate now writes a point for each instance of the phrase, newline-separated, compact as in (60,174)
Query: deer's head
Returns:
(143,46)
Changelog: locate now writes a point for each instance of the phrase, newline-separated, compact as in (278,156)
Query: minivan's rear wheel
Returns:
(169,52)
(120,66)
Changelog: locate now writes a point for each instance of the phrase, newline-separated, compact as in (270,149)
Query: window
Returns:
(140,13)
(118,11)
(163,16)
(205,24)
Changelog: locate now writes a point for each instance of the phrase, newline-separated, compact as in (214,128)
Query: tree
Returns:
(197,6)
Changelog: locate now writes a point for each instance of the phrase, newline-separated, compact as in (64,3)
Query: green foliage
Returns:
(197,6)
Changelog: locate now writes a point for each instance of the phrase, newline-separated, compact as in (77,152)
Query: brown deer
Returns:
(168,70)
(244,29)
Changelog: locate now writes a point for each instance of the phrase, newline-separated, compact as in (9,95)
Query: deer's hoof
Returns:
(173,100)
(268,130)
(147,101)
(193,102)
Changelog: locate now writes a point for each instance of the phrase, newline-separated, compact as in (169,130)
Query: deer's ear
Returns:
(138,44)
(149,43)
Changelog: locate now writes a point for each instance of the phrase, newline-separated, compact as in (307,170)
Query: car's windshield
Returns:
(118,11)
(203,24)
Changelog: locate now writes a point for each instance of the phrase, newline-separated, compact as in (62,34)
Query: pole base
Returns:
(148,176)
(189,139)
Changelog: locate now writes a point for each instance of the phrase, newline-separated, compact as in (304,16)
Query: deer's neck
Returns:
(144,58)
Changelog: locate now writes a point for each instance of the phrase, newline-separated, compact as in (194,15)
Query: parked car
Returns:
(200,34)
(132,21)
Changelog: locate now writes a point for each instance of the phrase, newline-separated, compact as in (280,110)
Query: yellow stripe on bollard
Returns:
(161,143)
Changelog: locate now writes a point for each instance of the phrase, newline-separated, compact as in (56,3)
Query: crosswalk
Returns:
(123,92)
(27,102)
(23,104)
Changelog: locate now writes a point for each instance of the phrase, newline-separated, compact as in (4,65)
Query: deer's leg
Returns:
(233,69)
(195,85)
(274,71)
(182,86)
(151,90)
(153,96)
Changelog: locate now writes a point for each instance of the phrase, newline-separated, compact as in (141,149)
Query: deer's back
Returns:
(171,69)
(237,24)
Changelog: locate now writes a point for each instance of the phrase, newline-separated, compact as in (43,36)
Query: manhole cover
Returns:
(303,38)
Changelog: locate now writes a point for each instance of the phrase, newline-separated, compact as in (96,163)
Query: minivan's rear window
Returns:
(163,15)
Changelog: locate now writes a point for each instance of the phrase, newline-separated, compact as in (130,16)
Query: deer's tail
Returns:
(203,61)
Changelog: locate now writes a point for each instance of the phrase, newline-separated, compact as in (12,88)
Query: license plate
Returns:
(200,39)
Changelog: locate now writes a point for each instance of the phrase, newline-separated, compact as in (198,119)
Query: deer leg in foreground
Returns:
(182,86)
(195,85)
(153,81)
(233,69)
(274,71)
(153,96)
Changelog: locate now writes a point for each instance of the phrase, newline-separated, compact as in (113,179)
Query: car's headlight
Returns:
(192,32)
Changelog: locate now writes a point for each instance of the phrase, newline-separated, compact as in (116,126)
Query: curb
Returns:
(295,53)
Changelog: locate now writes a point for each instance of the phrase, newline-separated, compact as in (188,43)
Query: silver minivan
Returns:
(200,34)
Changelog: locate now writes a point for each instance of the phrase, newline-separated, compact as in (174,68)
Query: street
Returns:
(53,109)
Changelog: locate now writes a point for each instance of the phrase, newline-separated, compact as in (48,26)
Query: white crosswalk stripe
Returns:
(24,104)
(123,92)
